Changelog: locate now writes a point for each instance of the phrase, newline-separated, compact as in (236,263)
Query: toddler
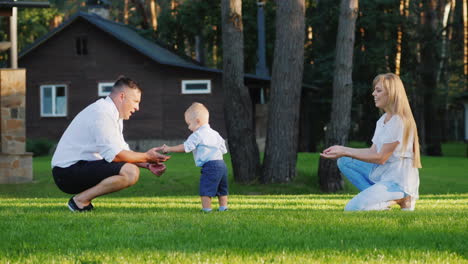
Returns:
(208,148)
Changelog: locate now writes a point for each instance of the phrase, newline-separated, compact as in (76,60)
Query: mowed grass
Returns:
(258,229)
(158,221)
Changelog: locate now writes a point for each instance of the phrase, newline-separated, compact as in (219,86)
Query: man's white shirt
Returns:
(94,134)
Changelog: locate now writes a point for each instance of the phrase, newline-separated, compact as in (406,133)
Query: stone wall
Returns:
(15,163)
(15,168)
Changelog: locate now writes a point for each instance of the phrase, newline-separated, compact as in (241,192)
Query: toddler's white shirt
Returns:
(206,144)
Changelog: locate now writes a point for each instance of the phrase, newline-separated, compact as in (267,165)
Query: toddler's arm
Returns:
(178,148)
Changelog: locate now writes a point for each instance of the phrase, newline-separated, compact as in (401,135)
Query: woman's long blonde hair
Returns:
(400,106)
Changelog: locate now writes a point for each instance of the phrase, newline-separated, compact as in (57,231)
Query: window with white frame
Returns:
(196,86)
(53,100)
(105,88)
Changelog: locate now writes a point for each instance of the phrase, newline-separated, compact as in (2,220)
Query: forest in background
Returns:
(422,41)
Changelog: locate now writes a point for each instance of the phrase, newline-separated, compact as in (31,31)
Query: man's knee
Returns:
(131,173)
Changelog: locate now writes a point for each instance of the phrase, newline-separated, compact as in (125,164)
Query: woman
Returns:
(387,172)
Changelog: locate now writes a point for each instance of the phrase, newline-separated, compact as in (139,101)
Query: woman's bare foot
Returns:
(405,202)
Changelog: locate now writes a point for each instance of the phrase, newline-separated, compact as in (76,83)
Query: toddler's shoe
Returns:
(206,210)
(223,208)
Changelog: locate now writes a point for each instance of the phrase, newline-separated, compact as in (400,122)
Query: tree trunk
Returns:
(412,58)
(286,83)
(126,11)
(403,13)
(442,74)
(465,43)
(338,129)
(154,15)
(238,105)
(200,49)
(140,7)
(428,71)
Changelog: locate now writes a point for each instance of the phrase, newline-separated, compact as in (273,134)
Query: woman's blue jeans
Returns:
(373,196)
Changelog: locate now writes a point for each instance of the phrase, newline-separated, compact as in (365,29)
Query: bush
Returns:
(40,147)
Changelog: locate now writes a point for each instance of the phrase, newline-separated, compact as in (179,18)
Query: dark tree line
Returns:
(421,40)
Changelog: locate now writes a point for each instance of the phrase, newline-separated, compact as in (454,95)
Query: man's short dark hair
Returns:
(122,82)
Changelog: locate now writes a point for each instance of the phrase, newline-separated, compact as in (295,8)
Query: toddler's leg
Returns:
(223,191)
(223,202)
(206,203)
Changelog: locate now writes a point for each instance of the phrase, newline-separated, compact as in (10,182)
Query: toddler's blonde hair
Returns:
(198,111)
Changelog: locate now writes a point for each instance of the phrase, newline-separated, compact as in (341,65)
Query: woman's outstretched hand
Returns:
(333,152)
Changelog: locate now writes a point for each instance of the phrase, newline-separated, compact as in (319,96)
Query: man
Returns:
(92,157)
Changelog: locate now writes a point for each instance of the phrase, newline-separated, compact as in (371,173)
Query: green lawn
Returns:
(158,221)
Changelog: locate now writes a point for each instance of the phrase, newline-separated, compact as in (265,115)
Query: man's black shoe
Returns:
(74,208)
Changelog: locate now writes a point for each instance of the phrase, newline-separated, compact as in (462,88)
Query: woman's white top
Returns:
(399,167)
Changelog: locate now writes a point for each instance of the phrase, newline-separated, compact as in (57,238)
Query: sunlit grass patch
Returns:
(238,202)
(122,255)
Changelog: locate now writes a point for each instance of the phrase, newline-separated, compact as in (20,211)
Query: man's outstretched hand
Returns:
(157,157)
(157,169)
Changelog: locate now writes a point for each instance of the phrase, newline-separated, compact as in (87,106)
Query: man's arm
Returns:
(151,156)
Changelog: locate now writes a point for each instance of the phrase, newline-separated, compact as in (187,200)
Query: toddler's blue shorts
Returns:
(213,179)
